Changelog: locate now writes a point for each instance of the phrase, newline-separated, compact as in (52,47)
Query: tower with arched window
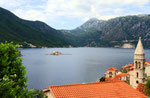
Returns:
(138,75)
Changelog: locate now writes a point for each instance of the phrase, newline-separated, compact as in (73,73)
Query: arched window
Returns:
(135,64)
(139,64)
(137,74)
(137,82)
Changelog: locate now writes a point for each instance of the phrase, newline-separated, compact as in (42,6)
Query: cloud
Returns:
(31,15)
(52,11)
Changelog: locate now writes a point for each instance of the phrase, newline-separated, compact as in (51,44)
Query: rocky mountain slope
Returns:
(117,32)
(114,32)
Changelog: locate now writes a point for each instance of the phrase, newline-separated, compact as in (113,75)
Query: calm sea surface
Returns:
(82,66)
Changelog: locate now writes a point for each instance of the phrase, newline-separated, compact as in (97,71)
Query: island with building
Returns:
(126,83)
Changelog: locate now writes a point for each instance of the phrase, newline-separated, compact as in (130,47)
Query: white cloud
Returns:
(31,15)
(84,8)
(52,10)
(12,3)
(118,11)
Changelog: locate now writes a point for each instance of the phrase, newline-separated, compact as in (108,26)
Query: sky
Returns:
(69,14)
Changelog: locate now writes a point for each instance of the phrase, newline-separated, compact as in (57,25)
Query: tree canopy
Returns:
(12,74)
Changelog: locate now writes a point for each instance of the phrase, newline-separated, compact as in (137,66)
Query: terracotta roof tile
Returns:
(141,88)
(112,69)
(111,80)
(121,75)
(129,72)
(96,90)
(129,65)
(132,67)
(146,63)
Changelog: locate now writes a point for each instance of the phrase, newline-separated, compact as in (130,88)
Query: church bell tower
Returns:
(139,65)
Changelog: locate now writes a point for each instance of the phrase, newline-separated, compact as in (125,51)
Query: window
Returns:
(135,64)
(110,72)
(137,74)
(139,65)
(137,82)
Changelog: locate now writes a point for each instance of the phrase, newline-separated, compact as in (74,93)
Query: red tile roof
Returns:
(130,65)
(96,90)
(146,63)
(141,88)
(111,80)
(121,75)
(112,69)
(129,72)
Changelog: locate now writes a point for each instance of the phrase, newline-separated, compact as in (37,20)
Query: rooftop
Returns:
(147,63)
(112,69)
(96,90)
(121,75)
(141,88)
(129,65)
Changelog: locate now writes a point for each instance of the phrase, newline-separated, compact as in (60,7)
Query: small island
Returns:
(56,53)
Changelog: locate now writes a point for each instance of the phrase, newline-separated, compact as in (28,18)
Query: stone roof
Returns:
(139,47)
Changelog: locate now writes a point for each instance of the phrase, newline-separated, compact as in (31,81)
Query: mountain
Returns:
(25,32)
(114,32)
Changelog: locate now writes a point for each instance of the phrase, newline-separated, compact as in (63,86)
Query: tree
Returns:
(147,86)
(102,79)
(12,74)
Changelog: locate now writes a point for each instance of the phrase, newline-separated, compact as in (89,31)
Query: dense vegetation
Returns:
(12,28)
(147,86)
(12,74)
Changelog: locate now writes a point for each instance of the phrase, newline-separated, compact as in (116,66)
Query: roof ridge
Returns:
(84,83)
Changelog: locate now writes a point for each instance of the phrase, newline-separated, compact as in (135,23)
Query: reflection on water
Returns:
(84,65)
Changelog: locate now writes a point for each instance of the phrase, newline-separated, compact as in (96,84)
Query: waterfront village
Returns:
(126,83)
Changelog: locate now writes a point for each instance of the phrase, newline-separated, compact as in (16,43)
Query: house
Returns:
(111,72)
(123,76)
(127,67)
(147,68)
(95,90)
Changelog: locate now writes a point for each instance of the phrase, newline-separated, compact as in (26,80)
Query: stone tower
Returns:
(138,75)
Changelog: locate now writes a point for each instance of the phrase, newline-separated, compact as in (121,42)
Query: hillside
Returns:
(117,32)
(12,28)
(114,32)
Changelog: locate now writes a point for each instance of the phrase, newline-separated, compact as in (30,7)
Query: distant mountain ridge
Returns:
(116,32)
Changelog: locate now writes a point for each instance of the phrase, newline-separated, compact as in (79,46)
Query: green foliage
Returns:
(147,86)
(12,74)
(124,71)
(37,33)
(102,79)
